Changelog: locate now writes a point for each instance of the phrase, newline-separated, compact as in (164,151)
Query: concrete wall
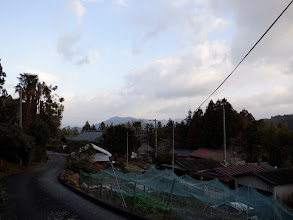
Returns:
(284,193)
(255,182)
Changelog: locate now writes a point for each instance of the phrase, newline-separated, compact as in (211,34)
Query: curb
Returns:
(100,203)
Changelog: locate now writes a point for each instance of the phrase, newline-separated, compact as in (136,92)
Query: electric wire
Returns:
(245,56)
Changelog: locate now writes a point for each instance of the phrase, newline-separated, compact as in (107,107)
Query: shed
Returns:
(102,155)
(277,183)
(227,174)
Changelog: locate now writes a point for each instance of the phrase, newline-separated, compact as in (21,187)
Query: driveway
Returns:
(37,194)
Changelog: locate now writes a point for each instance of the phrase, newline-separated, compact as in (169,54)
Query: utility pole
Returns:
(20,107)
(173,149)
(127,152)
(156,141)
(156,137)
(224,135)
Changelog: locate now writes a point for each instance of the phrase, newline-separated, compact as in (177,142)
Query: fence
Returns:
(160,194)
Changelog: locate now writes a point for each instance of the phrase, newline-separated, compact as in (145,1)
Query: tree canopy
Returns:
(41,112)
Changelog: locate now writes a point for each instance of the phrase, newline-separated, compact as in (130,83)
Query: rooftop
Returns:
(227,174)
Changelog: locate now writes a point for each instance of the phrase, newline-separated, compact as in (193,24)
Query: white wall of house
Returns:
(255,182)
(283,192)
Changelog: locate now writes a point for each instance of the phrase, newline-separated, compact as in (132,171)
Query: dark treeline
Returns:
(41,117)
(252,140)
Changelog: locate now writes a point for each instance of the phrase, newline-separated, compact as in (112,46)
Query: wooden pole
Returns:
(134,200)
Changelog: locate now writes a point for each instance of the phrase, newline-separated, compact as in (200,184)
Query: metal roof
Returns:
(277,176)
(87,136)
(183,152)
(101,150)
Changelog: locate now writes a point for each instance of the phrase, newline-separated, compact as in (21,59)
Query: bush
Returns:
(83,165)
(15,145)
(3,195)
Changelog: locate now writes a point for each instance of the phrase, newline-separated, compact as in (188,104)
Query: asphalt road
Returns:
(37,194)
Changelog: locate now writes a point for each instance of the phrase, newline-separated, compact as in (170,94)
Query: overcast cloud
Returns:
(156,58)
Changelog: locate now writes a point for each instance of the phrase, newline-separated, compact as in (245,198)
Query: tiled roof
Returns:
(212,175)
(209,153)
(198,164)
(226,173)
(231,171)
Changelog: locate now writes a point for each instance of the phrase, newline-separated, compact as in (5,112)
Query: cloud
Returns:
(167,87)
(189,22)
(67,47)
(251,19)
(43,76)
(191,73)
(77,8)
(122,2)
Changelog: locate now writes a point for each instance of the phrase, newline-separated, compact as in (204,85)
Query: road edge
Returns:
(98,202)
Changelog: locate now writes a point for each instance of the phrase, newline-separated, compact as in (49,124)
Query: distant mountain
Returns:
(123,120)
(281,119)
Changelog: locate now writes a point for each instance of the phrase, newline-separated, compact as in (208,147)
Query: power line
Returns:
(245,55)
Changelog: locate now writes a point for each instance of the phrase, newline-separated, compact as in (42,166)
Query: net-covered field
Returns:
(160,194)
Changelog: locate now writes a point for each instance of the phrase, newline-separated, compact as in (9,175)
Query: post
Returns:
(156,138)
(173,149)
(170,198)
(134,200)
(20,107)
(127,152)
(224,136)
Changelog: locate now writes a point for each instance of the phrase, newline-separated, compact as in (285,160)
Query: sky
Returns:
(151,59)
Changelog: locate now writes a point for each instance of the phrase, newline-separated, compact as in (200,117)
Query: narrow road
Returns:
(37,194)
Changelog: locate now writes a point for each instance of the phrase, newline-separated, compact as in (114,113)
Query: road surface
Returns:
(37,194)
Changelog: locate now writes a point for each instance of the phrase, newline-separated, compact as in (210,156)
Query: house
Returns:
(198,164)
(277,183)
(264,165)
(217,155)
(182,153)
(227,174)
(89,135)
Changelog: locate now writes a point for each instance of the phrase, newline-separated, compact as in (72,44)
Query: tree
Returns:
(93,127)
(2,80)
(86,127)
(115,140)
(68,131)
(43,108)
(102,126)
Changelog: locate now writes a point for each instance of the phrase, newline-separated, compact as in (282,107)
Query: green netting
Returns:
(160,194)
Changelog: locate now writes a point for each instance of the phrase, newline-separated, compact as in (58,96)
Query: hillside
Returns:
(281,119)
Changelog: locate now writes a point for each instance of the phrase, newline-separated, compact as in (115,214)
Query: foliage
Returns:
(2,80)
(76,146)
(16,146)
(68,131)
(84,164)
(3,196)
(147,205)
(115,140)
(42,109)
(102,126)
(88,127)
(41,113)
